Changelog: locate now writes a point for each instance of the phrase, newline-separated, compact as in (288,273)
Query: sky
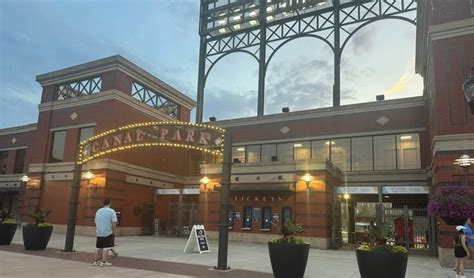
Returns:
(161,36)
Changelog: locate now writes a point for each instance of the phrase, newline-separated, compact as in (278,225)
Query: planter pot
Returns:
(7,231)
(454,221)
(36,238)
(378,264)
(288,260)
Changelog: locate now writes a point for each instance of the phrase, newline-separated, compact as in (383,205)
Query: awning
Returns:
(262,187)
(14,186)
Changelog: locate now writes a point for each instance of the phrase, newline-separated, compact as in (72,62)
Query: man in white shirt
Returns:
(105,222)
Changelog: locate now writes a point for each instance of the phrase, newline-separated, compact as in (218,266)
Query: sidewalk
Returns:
(167,253)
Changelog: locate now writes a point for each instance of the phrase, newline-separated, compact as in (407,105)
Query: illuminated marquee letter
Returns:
(139,135)
(190,136)
(105,144)
(204,138)
(163,133)
(95,146)
(128,138)
(117,139)
(177,135)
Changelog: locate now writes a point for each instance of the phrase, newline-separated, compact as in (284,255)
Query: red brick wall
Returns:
(452,60)
(444,11)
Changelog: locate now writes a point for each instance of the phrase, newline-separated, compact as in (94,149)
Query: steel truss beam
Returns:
(334,26)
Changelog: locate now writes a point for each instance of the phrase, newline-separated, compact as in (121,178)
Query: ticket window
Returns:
(286,215)
(247,224)
(230,217)
(266,218)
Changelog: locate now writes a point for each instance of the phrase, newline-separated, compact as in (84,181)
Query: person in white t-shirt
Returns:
(105,223)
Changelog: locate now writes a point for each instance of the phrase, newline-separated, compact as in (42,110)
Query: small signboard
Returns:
(197,238)
(238,216)
(276,217)
(256,214)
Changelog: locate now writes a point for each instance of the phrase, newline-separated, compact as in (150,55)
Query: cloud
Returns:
(363,41)
(401,83)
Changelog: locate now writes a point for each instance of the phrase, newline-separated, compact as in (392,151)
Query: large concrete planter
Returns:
(288,260)
(7,231)
(379,264)
(36,238)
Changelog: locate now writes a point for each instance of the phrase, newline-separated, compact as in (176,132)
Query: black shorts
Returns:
(459,252)
(104,242)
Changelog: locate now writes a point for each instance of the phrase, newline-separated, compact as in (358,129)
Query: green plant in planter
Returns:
(378,259)
(36,235)
(7,227)
(6,217)
(289,254)
(287,232)
(39,216)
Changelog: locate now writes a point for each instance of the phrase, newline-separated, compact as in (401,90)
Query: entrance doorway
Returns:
(403,220)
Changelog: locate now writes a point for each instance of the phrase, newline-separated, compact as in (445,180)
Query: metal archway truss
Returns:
(334,25)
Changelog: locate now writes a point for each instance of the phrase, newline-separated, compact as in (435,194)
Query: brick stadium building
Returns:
(370,161)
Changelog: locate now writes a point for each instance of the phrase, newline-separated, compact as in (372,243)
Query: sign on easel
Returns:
(197,238)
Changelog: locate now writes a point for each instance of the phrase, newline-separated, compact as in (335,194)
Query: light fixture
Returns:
(269,18)
(88,175)
(253,22)
(346,196)
(464,161)
(240,149)
(468,88)
(321,3)
(25,178)
(236,18)
(237,27)
(222,30)
(332,143)
(252,13)
(205,180)
(406,137)
(298,145)
(307,178)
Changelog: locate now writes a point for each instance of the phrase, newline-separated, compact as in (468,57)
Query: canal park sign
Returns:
(174,134)
(205,138)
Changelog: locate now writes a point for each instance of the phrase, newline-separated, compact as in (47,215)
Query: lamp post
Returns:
(465,162)
(307,178)
(468,88)
(224,213)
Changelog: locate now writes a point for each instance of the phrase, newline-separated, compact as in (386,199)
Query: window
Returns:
(238,154)
(269,153)
(86,133)
(57,151)
(230,217)
(340,153)
(286,215)
(253,153)
(247,218)
(19,161)
(320,150)
(266,218)
(361,153)
(285,152)
(408,148)
(384,152)
(302,150)
(3,162)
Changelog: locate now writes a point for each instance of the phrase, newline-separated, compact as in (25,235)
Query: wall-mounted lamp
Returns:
(25,180)
(207,186)
(465,161)
(346,196)
(307,178)
(89,176)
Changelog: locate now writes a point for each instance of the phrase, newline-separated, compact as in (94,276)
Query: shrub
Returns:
(287,232)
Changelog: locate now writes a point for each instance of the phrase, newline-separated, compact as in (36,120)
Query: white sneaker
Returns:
(96,263)
(105,264)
